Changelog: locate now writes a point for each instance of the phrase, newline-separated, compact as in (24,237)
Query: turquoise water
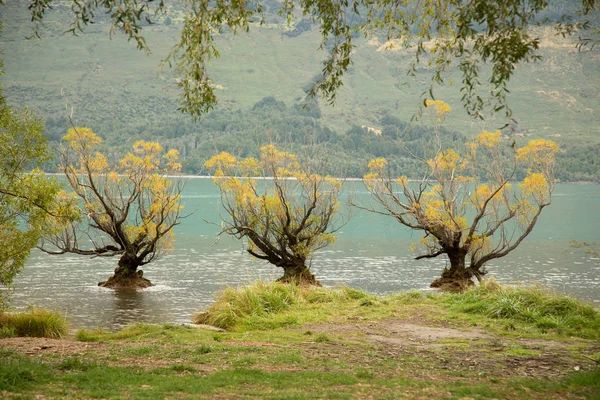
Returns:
(371,253)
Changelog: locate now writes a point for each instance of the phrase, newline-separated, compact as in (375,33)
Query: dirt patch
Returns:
(423,347)
(43,346)
(427,333)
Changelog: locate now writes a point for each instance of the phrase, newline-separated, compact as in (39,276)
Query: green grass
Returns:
(261,357)
(539,309)
(265,305)
(36,322)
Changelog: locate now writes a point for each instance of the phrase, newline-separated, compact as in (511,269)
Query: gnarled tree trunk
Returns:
(457,278)
(297,273)
(127,275)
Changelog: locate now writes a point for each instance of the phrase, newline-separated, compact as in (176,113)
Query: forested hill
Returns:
(261,79)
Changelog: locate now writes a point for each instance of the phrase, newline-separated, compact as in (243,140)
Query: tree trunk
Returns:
(298,274)
(457,278)
(126,275)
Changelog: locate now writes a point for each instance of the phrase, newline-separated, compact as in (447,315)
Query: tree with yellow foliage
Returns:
(285,211)
(468,205)
(128,211)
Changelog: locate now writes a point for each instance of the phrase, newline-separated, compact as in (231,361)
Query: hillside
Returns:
(121,92)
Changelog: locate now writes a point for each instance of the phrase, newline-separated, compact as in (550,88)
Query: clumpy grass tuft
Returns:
(36,322)
(537,306)
(256,300)
(260,305)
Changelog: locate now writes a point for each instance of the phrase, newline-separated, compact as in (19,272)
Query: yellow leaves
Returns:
(80,139)
(249,167)
(538,154)
(440,107)
(144,148)
(538,148)
(377,164)
(172,158)
(270,154)
(534,184)
(222,161)
(98,163)
(131,162)
(489,139)
(444,162)
(482,193)
(114,177)
(403,180)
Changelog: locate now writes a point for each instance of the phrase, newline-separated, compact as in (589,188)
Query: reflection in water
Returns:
(128,305)
(371,253)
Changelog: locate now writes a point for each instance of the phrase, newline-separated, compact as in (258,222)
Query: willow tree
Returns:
(468,205)
(465,34)
(128,211)
(286,215)
(28,198)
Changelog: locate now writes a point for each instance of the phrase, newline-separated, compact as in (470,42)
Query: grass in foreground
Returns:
(528,310)
(303,343)
(36,322)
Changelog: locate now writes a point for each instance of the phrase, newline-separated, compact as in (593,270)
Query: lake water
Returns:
(371,254)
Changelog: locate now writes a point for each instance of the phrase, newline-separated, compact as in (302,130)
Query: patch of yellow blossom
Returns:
(438,213)
(143,147)
(134,232)
(402,180)
(273,157)
(249,166)
(172,157)
(114,177)
(445,162)
(377,164)
(489,139)
(244,194)
(538,153)
(221,163)
(483,192)
(440,106)
(81,138)
(98,163)
(534,184)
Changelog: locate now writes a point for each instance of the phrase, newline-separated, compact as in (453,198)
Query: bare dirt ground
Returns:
(444,348)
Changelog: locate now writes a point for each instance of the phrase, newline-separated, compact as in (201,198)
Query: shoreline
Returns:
(187,176)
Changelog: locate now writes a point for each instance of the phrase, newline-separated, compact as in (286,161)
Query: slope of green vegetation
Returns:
(121,93)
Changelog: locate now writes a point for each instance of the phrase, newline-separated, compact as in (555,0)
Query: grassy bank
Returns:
(287,342)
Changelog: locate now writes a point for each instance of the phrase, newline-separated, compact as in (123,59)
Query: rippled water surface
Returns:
(371,253)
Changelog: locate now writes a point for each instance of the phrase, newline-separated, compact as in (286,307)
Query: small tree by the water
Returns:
(129,211)
(28,200)
(467,204)
(286,214)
